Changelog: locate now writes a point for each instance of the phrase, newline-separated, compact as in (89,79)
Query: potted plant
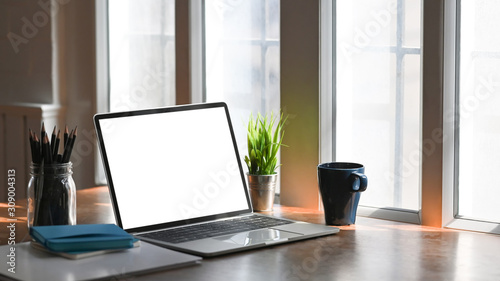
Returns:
(264,139)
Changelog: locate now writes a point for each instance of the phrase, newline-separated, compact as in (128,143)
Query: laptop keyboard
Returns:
(216,228)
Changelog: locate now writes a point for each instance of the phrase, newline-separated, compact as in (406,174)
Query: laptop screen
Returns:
(171,164)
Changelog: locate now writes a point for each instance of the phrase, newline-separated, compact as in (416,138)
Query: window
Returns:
(242,52)
(141,54)
(241,56)
(470,101)
(478,118)
(378,102)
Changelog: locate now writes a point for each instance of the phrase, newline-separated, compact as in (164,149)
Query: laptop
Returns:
(176,180)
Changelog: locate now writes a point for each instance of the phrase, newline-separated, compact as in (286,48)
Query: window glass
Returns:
(479,117)
(242,51)
(141,54)
(378,97)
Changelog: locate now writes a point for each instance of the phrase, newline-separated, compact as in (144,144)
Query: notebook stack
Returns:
(79,241)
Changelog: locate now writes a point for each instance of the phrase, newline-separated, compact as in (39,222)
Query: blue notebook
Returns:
(84,237)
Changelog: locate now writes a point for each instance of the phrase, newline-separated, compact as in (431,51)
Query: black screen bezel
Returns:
(102,147)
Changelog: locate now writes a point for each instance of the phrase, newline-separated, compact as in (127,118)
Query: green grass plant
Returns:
(264,140)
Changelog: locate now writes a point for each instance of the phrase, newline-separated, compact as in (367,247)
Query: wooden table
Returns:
(370,250)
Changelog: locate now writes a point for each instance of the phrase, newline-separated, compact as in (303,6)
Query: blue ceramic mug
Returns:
(340,184)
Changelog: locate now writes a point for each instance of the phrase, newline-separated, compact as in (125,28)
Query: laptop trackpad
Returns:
(261,236)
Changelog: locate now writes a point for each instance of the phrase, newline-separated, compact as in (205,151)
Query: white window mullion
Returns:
(449,126)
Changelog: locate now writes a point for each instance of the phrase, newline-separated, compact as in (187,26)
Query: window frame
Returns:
(328,114)
(102,77)
(451,219)
(196,47)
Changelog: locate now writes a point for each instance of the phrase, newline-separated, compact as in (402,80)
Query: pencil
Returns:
(47,155)
(37,149)
(66,148)
(66,135)
(32,146)
(56,146)
(69,146)
(53,140)
(42,132)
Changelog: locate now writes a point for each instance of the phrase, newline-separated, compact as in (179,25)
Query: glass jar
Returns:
(51,195)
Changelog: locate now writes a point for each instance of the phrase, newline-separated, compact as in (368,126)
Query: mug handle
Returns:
(359,182)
